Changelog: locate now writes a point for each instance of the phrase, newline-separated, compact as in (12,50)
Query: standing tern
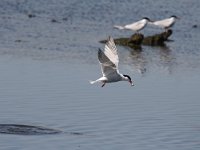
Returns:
(109,65)
(135,26)
(166,23)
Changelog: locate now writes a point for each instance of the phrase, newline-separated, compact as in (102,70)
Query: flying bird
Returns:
(135,26)
(165,23)
(109,60)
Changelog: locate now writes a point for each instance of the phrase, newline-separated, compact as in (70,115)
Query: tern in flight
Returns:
(109,60)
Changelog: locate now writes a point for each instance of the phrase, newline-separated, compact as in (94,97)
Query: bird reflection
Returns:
(139,61)
(160,57)
(167,60)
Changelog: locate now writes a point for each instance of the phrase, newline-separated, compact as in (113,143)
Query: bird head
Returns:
(128,78)
(175,17)
(146,18)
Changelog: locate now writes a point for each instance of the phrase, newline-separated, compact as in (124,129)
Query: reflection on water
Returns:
(167,59)
(139,61)
(160,57)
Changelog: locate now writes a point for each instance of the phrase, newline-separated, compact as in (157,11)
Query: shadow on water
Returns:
(20,129)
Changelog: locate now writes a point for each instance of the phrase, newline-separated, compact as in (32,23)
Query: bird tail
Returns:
(92,82)
(119,27)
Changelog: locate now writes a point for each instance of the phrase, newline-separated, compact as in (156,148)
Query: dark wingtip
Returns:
(99,51)
(109,38)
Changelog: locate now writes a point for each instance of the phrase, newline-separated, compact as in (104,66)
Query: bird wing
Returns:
(110,51)
(135,25)
(109,58)
(164,23)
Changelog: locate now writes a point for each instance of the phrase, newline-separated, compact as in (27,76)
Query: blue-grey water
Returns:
(48,53)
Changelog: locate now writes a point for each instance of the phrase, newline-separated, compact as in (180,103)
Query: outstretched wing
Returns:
(109,58)
(107,66)
(111,51)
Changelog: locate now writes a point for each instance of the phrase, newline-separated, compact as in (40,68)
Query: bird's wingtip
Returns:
(99,51)
(110,38)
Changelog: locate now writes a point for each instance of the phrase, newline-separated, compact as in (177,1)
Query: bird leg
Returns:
(103,84)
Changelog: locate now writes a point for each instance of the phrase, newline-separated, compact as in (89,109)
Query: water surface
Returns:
(46,65)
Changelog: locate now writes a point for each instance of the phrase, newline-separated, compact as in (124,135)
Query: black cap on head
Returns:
(127,76)
(146,18)
(129,79)
(174,16)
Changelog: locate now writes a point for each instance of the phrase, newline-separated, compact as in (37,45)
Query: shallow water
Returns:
(46,65)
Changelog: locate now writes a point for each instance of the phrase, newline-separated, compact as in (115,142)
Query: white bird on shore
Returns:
(109,65)
(166,23)
(135,26)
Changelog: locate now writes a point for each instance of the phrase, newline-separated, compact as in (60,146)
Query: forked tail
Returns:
(92,82)
(119,27)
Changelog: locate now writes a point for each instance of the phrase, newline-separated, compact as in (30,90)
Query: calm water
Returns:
(47,60)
